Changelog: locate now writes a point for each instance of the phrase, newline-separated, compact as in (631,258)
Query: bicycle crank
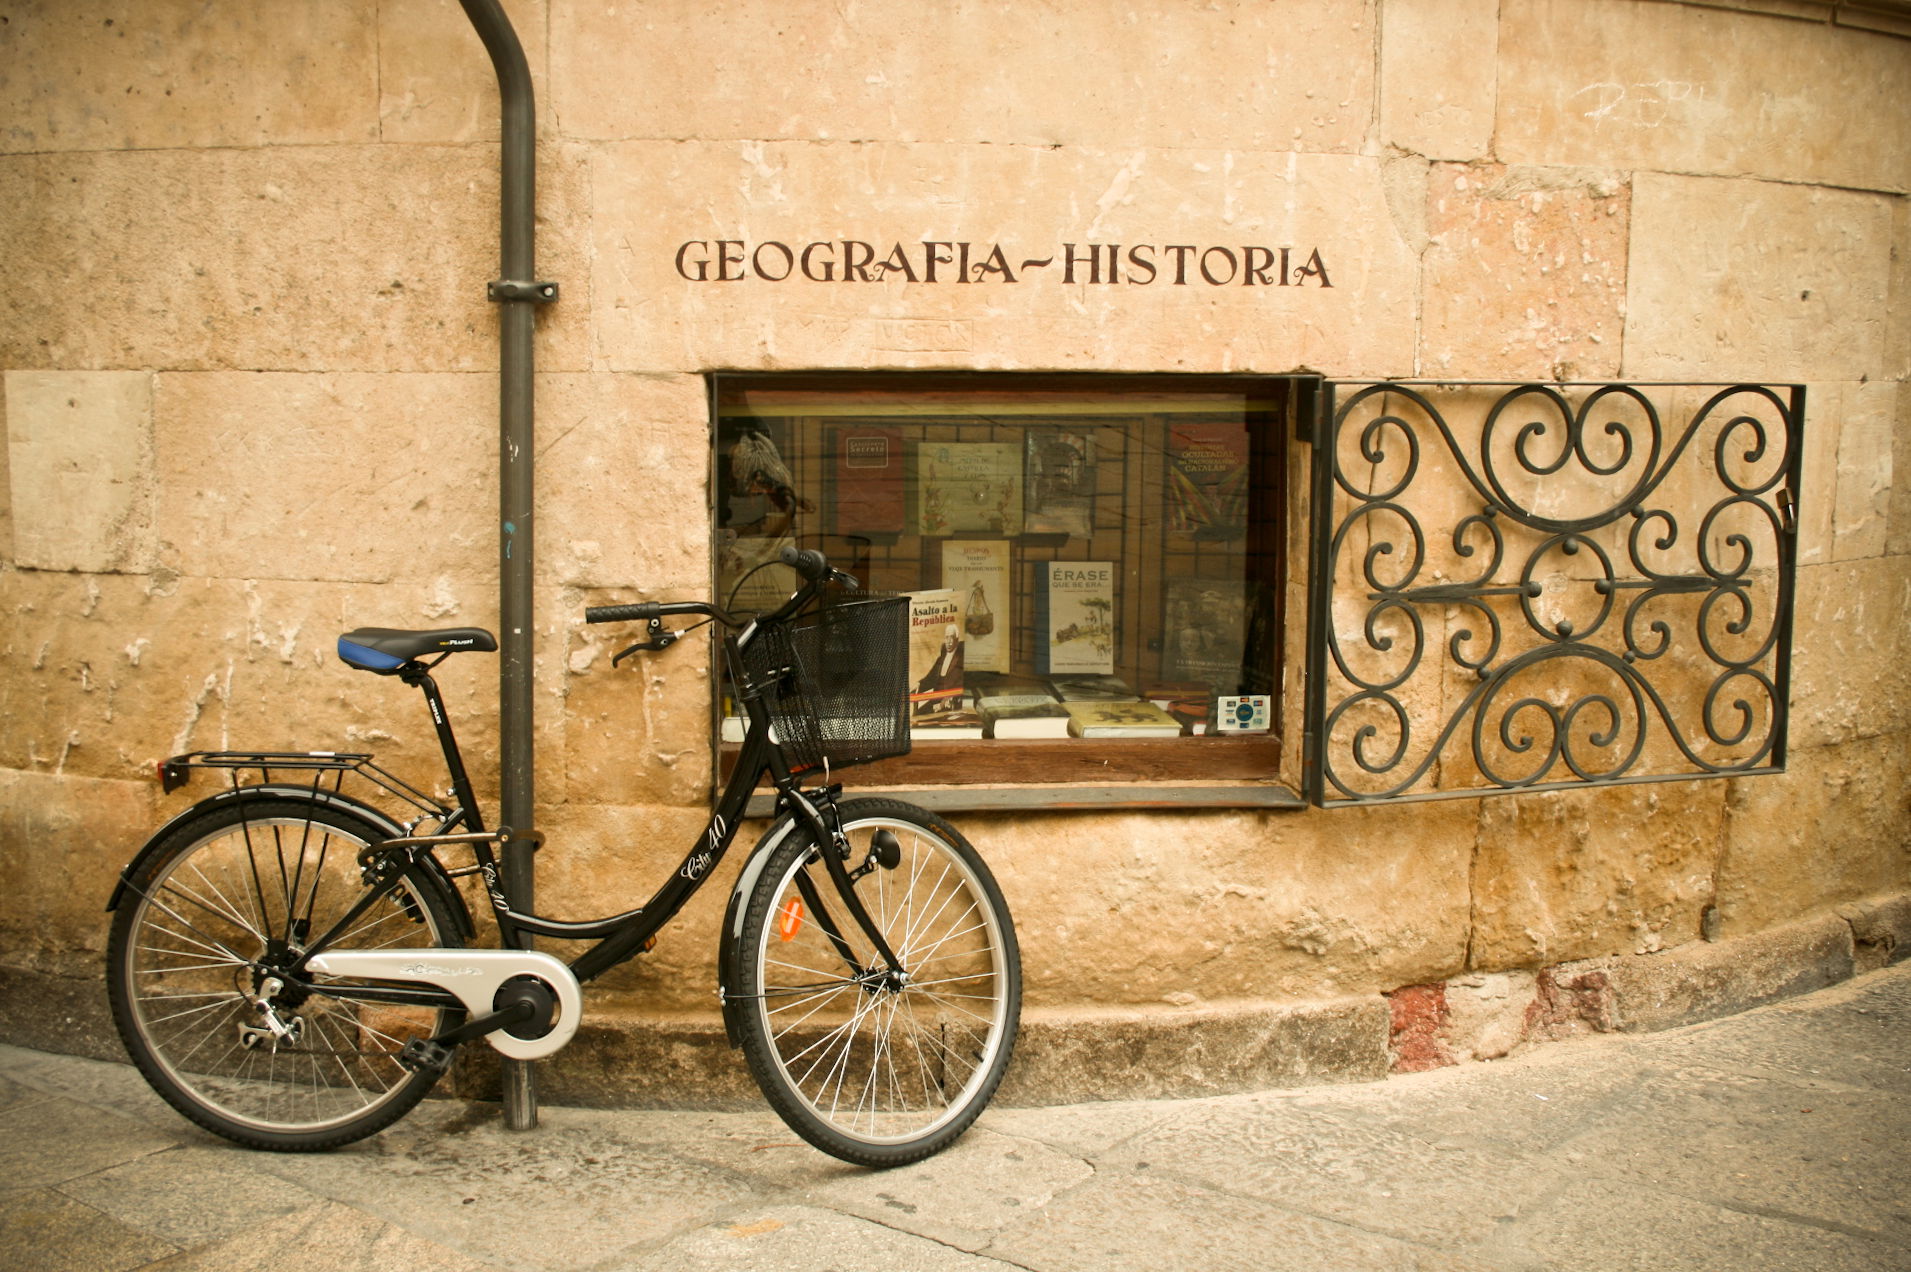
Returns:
(476,977)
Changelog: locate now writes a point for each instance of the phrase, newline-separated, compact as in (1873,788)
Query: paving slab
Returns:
(50,1141)
(983,1183)
(583,1188)
(189,1194)
(43,1229)
(1601,1225)
(803,1239)
(325,1237)
(1139,1219)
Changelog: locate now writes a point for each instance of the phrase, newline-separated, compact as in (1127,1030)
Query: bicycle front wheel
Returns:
(231,895)
(876,1065)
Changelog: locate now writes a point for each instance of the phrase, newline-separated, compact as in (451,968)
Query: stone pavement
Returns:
(1773,1139)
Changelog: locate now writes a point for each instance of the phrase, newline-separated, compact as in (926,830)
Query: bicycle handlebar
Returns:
(812,565)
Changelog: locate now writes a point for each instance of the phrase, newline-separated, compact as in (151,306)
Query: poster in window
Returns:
(978,570)
(1076,618)
(968,486)
(868,481)
(1059,496)
(1204,634)
(1207,479)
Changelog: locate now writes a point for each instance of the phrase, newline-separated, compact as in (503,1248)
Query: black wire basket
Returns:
(836,681)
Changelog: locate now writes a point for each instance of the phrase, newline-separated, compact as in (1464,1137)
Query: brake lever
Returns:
(659,640)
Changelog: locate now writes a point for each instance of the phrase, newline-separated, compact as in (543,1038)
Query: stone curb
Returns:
(625,1059)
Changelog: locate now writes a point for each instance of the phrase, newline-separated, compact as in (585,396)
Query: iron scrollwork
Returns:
(1531,586)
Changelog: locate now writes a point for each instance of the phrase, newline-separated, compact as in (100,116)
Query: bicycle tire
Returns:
(188,945)
(880,1071)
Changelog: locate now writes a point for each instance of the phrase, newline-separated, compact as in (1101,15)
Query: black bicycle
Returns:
(291,966)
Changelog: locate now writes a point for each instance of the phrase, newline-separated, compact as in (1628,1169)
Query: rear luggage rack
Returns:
(177,771)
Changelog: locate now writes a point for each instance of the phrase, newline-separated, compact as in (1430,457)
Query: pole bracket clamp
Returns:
(507,289)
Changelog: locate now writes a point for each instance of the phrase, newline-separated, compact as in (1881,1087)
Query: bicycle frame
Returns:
(622,936)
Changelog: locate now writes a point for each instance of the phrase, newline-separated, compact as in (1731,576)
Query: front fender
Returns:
(433,873)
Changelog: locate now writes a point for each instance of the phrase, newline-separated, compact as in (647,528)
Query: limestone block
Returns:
(1880,930)
(1437,86)
(601,859)
(623,491)
(1861,525)
(104,677)
(1818,498)
(1154,1053)
(1576,874)
(1687,89)
(1527,275)
(158,74)
(435,79)
(1702,981)
(6,491)
(348,478)
(743,255)
(1849,672)
(79,465)
(1235,74)
(312,258)
(1487,1013)
(1898,340)
(1898,538)
(1137,909)
(394,477)
(640,732)
(63,840)
(1836,827)
(1755,280)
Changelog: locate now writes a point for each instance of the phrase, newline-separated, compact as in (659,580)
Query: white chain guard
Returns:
(475,976)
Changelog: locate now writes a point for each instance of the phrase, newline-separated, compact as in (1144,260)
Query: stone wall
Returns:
(250,403)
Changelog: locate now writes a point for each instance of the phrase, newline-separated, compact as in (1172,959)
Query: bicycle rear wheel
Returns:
(230,895)
(874,1067)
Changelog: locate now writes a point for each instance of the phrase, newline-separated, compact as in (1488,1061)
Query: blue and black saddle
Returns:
(389,649)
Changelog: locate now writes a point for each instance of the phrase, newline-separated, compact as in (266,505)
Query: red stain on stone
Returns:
(1569,1003)
(1419,1023)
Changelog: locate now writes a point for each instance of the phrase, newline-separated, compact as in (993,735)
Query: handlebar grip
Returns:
(807,562)
(639,612)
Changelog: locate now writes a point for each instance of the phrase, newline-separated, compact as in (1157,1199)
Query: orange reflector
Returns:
(791,919)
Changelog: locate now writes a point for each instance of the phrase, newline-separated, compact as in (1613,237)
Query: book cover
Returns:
(867,481)
(1027,720)
(1189,701)
(993,691)
(1207,479)
(1059,489)
(935,654)
(1121,720)
(978,569)
(968,486)
(959,723)
(1204,632)
(1076,618)
(1091,689)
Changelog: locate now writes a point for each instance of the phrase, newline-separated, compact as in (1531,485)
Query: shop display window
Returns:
(1096,563)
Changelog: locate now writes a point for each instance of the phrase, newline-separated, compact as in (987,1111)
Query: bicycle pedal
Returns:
(422,1055)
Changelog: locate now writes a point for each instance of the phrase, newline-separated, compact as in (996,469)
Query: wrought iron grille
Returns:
(1535,586)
